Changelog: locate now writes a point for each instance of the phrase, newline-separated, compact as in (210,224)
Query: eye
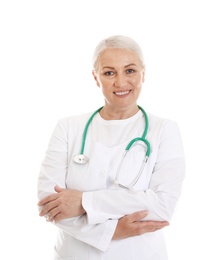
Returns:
(129,71)
(109,73)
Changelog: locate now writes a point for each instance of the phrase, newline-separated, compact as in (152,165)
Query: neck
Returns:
(108,113)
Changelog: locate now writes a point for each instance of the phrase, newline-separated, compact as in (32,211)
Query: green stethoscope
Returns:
(82,159)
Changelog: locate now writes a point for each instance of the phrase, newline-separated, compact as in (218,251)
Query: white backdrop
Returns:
(45,74)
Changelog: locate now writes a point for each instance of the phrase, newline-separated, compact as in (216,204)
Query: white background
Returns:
(45,73)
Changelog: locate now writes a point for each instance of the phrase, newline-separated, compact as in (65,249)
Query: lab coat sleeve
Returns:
(53,172)
(98,235)
(162,194)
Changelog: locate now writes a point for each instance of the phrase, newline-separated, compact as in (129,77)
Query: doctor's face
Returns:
(120,75)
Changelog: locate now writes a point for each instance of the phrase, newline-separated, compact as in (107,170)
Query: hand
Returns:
(63,204)
(130,225)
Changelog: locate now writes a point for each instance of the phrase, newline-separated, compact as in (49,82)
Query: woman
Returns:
(108,206)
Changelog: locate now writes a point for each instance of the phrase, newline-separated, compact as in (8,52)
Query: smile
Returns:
(122,93)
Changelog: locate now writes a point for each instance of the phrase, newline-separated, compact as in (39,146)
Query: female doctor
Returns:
(111,179)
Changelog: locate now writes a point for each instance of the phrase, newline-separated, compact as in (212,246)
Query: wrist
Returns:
(82,210)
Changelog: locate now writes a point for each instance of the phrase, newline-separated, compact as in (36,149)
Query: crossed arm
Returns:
(71,209)
(67,203)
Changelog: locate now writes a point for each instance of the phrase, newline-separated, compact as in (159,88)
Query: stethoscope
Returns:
(83,159)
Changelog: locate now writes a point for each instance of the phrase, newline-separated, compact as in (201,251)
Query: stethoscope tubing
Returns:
(143,138)
(86,130)
(82,159)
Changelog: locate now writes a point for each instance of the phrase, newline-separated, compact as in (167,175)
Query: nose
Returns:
(120,81)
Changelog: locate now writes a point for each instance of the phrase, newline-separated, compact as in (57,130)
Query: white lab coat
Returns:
(158,189)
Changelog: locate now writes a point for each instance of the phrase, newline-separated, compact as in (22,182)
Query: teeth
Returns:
(121,93)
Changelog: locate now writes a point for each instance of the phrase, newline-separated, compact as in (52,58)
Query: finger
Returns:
(58,189)
(48,207)
(60,216)
(151,226)
(53,213)
(47,199)
(158,227)
(137,216)
(163,223)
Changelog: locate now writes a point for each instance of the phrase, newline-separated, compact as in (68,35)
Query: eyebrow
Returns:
(107,67)
(131,64)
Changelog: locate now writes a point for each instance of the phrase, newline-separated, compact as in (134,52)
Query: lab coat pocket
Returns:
(132,167)
(145,176)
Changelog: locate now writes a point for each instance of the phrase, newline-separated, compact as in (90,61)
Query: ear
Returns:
(96,78)
(143,76)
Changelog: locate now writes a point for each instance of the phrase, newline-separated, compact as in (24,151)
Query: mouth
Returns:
(122,93)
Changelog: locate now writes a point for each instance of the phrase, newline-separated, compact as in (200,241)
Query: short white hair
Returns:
(119,42)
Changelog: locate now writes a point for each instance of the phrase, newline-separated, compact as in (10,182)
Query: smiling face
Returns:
(120,75)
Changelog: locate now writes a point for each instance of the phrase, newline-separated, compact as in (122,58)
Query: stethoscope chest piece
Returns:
(81,159)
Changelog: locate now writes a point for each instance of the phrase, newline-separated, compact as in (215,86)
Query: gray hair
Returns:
(120,42)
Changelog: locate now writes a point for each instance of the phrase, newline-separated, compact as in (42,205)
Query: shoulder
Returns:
(160,122)
(162,126)
(72,122)
(166,133)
